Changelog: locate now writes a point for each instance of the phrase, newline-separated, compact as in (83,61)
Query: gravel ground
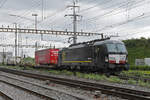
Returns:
(53,92)
(89,95)
(17,94)
(2,98)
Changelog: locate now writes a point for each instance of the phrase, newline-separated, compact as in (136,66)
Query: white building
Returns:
(147,61)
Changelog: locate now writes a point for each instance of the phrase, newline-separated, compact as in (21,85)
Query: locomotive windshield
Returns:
(116,47)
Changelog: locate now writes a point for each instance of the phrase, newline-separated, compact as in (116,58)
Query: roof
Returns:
(107,41)
(46,49)
(94,42)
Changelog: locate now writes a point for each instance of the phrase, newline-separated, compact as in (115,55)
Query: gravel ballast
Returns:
(51,90)
(88,95)
(17,94)
(136,87)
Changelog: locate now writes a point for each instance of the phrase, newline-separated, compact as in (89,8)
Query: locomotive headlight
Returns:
(126,59)
(106,59)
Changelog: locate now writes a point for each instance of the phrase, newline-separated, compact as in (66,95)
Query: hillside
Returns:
(137,49)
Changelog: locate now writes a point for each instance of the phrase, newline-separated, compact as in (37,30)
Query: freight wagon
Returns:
(46,57)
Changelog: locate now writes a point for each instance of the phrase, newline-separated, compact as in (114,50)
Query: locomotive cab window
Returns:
(116,48)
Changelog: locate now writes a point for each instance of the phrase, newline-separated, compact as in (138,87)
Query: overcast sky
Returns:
(128,18)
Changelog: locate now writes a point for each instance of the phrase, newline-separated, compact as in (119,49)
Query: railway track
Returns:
(105,89)
(125,77)
(43,95)
(36,93)
(5,96)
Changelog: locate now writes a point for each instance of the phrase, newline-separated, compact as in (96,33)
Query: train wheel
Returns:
(107,74)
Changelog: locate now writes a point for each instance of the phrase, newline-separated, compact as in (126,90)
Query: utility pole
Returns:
(3,56)
(42,10)
(36,46)
(42,16)
(15,43)
(26,40)
(19,37)
(36,25)
(74,15)
(35,15)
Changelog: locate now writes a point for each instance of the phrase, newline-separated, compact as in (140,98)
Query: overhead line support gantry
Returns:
(50,32)
(74,15)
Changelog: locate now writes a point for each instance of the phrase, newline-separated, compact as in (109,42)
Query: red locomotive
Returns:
(46,57)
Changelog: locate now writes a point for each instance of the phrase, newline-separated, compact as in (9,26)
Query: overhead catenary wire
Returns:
(3,3)
(90,1)
(133,30)
(133,6)
(53,15)
(109,26)
(121,5)
(50,17)
(97,4)
(144,15)
(135,19)
(116,8)
(64,20)
(27,12)
(121,23)
(134,33)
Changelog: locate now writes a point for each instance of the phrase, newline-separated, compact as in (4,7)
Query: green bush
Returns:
(137,73)
(133,67)
(115,79)
(144,84)
(137,49)
(131,81)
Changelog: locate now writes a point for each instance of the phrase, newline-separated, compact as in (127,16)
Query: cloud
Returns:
(96,15)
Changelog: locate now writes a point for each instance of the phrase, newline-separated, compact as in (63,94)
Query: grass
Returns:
(115,79)
(133,67)
(65,72)
(131,81)
(17,67)
(91,76)
(98,77)
(144,84)
(138,73)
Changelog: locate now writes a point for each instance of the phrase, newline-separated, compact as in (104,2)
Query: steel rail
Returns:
(106,89)
(125,77)
(26,89)
(5,96)
(38,85)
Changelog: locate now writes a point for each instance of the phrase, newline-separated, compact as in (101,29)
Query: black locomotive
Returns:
(108,56)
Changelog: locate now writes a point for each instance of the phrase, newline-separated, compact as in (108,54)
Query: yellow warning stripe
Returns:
(77,61)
